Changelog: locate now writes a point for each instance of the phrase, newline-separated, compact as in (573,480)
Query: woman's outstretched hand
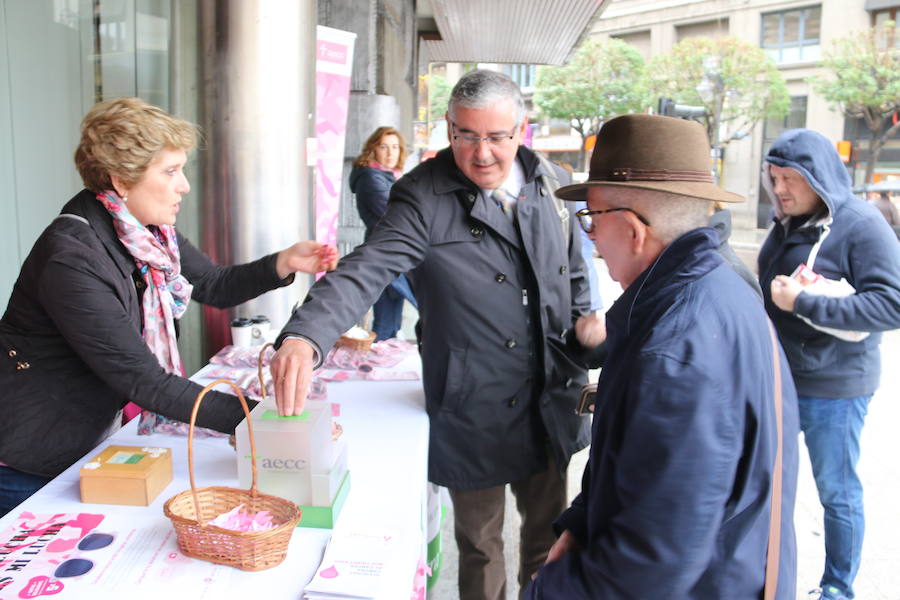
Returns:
(306,257)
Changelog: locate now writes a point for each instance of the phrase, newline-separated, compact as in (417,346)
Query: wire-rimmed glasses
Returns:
(498,140)
(586,220)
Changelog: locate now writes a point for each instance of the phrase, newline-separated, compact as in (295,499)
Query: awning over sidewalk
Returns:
(506,31)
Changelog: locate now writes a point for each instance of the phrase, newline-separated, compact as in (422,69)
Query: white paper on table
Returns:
(354,565)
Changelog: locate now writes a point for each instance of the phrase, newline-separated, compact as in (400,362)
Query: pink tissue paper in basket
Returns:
(238,519)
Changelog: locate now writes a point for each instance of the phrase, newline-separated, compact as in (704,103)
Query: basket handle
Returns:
(259,368)
(240,395)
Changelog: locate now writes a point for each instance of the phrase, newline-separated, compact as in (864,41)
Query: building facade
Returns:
(795,33)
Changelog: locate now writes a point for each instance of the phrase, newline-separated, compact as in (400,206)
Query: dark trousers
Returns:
(478,516)
(16,487)
(387,314)
(387,311)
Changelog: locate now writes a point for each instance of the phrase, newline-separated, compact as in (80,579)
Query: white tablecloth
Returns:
(387,434)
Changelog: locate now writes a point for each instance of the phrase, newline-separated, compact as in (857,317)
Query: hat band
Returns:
(629,174)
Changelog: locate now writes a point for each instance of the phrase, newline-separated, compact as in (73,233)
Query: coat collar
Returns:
(85,204)
(449,179)
(688,258)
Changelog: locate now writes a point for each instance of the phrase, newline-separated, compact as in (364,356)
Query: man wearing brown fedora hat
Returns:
(694,441)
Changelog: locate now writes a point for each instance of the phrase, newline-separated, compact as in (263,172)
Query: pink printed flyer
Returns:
(79,555)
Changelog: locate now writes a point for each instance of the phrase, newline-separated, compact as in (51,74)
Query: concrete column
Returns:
(258,93)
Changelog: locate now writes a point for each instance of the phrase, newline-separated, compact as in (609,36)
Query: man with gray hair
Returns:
(501,283)
(689,489)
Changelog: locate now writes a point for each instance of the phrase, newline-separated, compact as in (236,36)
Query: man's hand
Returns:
(292,368)
(785,291)
(306,257)
(590,329)
(565,544)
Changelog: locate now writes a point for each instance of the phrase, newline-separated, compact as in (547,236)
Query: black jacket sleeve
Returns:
(226,286)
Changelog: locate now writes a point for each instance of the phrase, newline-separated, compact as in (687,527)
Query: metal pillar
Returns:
(258,93)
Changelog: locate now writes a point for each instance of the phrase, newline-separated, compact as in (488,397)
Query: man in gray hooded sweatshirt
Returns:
(831,341)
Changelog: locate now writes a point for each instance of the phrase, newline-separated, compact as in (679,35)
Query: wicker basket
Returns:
(259,368)
(191,510)
(356,344)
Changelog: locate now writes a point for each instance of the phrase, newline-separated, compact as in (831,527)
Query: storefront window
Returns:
(58,58)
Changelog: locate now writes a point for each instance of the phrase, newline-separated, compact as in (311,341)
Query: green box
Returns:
(324,517)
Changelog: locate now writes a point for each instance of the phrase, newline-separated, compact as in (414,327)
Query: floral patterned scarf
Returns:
(155,252)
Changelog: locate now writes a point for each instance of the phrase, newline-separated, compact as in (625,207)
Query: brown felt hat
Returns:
(652,152)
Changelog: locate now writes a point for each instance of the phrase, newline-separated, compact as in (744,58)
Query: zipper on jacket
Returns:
(524,297)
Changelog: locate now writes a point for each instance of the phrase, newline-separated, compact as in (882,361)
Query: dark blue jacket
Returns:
(857,245)
(675,497)
(372,188)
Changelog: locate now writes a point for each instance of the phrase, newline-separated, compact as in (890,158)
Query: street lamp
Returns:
(711,91)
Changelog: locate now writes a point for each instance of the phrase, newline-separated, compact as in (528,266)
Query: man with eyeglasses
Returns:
(500,282)
(689,489)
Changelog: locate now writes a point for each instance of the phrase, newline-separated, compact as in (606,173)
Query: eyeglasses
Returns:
(585,216)
(497,141)
(74,567)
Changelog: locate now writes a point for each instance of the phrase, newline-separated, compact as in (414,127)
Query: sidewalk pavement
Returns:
(879,468)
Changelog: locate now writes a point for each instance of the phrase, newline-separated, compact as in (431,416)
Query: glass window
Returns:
(523,75)
(792,35)
(76,52)
(879,17)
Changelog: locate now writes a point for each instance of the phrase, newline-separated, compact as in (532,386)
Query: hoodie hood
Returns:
(815,157)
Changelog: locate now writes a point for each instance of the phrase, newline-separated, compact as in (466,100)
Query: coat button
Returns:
(499,277)
(513,402)
(510,344)
(563,269)
(562,334)
(470,198)
(12,353)
(476,231)
(21,366)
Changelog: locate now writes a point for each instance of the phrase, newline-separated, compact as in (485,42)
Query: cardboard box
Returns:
(126,475)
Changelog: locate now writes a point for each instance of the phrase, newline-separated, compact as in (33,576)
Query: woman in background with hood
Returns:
(832,342)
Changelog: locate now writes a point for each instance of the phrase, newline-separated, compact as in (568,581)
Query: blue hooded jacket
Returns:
(856,244)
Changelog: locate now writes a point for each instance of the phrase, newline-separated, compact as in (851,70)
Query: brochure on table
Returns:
(96,554)
(355,565)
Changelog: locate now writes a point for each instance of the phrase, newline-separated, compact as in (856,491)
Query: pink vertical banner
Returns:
(334,64)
